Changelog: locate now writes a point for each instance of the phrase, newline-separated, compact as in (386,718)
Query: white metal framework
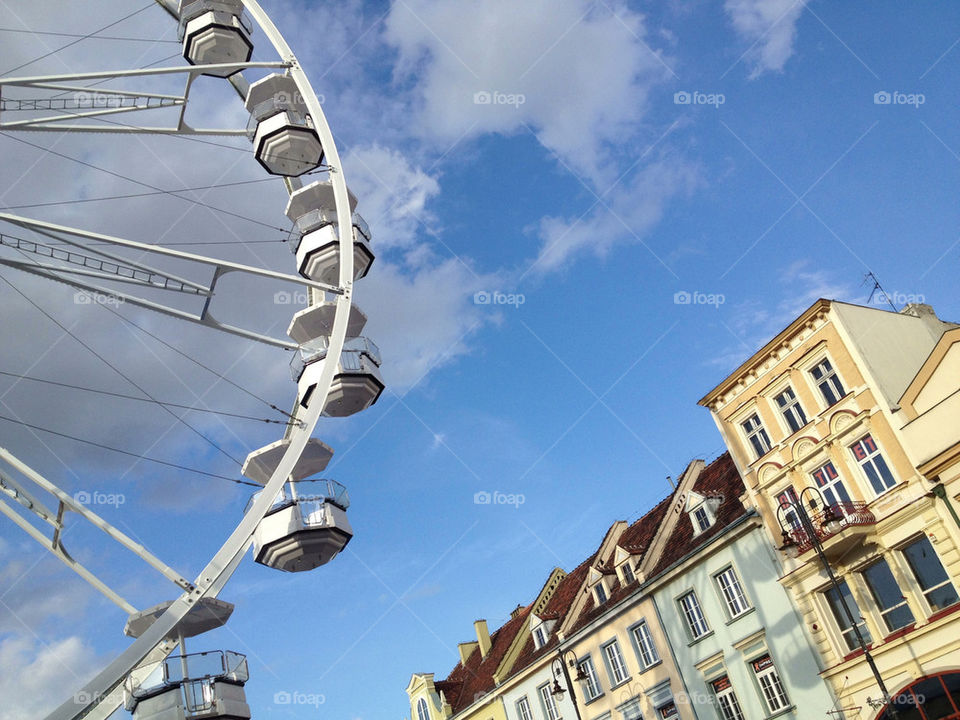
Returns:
(77,257)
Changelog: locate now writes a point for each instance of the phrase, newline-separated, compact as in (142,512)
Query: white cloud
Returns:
(580,72)
(35,676)
(634,208)
(770,26)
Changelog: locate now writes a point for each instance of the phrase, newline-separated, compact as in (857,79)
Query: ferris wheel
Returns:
(297,520)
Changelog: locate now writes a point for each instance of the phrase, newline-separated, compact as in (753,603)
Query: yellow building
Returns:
(854,410)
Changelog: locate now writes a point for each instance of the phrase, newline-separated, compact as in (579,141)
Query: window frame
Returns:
(886,611)
(539,636)
(870,458)
(523,708)
(791,411)
(728,710)
(925,592)
(727,599)
(847,635)
(600,593)
(612,666)
(646,642)
(592,679)
(627,573)
(826,379)
(830,484)
(423,709)
(685,613)
(759,431)
(768,679)
(551,710)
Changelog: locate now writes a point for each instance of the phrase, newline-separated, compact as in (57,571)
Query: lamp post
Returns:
(559,667)
(832,523)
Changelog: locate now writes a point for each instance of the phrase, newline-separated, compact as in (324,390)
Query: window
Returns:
(549,703)
(618,671)
(646,650)
(835,601)
(791,410)
(788,501)
(628,576)
(591,686)
(770,685)
(702,519)
(422,712)
(874,466)
(732,592)
(630,710)
(727,699)
(601,592)
(523,709)
(669,710)
(757,435)
(828,480)
(826,379)
(888,595)
(696,623)
(929,574)
(539,636)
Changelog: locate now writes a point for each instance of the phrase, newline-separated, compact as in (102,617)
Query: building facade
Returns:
(814,423)
(731,625)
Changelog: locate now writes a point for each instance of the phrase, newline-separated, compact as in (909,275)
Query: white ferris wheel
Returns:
(298,520)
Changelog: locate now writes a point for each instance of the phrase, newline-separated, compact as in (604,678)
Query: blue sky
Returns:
(601,199)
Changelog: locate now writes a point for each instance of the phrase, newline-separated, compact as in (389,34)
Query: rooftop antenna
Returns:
(877,287)
(672,484)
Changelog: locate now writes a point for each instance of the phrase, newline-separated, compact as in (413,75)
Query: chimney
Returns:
(515,613)
(483,637)
(466,650)
(927,314)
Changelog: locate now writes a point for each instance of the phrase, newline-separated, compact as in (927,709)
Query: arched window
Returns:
(422,712)
(935,697)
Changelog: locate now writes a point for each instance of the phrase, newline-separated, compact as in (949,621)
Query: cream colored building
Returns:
(856,409)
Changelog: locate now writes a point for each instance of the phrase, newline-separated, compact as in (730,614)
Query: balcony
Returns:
(839,527)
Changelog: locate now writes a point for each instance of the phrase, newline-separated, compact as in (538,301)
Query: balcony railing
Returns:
(850,514)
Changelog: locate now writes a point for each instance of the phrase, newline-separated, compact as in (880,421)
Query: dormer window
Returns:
(600,592)
(422,712)
(539,637)
(701,518)
(702,511)
(628,576)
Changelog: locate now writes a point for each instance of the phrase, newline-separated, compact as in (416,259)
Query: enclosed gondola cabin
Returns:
(357,382)
(204,686)
(316,239)
(306,526)
(215,32)
(281,129)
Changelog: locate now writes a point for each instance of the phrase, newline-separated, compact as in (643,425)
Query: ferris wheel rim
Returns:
(99,697)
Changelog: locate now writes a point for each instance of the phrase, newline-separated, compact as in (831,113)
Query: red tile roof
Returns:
(718,479)
(468,683)
(557,609)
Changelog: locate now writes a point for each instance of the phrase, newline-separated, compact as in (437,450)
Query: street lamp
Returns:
(559,669)
(832,524)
